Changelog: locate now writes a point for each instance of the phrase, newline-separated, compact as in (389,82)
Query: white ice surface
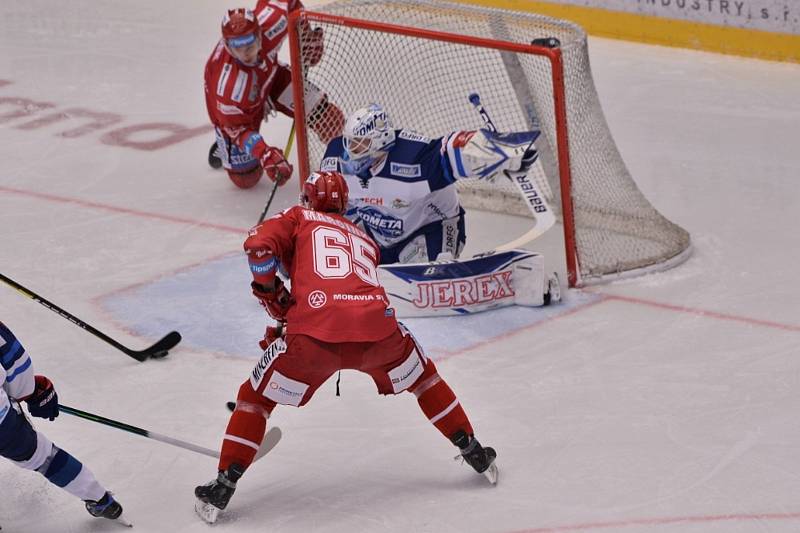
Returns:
(668,403)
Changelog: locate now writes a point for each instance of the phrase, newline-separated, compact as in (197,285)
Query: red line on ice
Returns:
(125,210)
(736,517)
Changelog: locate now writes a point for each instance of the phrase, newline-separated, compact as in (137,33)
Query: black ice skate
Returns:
(215,495)
(478,457)
(107,507)
(214,160)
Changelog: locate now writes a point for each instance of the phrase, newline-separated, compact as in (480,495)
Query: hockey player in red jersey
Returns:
(245,82)
(337,316)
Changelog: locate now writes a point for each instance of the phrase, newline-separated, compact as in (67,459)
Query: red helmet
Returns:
(326,192)
(240,27)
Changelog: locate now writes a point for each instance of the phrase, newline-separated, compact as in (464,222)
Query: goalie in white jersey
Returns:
(403,184)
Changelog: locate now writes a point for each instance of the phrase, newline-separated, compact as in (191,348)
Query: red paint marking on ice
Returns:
(125,210)
(735,517)
(704,313)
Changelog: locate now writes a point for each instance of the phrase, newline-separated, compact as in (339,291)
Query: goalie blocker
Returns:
(487,281)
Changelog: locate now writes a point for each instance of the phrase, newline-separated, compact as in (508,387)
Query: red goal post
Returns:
(422,75)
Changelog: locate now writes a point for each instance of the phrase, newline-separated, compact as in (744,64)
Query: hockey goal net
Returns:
(421,59)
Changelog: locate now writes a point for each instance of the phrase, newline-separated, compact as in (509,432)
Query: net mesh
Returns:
(424,86)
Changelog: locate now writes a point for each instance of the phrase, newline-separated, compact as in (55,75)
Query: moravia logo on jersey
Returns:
(464,291)
(381,223)
(317,299)
(405,171)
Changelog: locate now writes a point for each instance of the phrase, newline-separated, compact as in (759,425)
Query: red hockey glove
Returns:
(272,333)
(275,165)
(313,45)
(326,120)
(275,299)
(43,401)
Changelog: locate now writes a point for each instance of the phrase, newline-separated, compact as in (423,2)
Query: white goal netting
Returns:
(424,82)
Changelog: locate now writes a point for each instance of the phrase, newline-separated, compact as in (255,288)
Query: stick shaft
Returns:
(286,152)
(138,431)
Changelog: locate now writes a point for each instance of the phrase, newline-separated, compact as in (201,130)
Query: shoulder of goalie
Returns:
(487,281)
(484,153)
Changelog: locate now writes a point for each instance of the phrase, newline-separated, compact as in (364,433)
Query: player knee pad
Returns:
(17,436)
(415,251)
(41,455)
(246,179)
(250,401)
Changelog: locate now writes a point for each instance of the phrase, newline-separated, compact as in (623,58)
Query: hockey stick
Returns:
(157,350)
(270,439)
(542,212)
(286,153)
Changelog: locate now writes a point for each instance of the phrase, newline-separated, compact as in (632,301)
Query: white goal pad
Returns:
(487,281)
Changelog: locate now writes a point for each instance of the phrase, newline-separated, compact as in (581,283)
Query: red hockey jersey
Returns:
(332,265)
(236,93)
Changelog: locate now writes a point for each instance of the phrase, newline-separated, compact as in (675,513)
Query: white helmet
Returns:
(366,132)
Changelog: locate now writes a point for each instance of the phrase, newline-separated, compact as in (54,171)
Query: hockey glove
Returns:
(43,402)
(275,165)
(275,299)
(272,333)
(313,45)
(326,120)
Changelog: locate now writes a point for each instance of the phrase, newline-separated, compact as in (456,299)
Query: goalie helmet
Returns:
(326,192)
(242,35)
(367,132)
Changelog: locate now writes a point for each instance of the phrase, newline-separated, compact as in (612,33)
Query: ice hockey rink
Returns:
(668,403)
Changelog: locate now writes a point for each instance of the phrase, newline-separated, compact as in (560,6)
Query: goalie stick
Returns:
(271,439)
(542,212)
(156,351)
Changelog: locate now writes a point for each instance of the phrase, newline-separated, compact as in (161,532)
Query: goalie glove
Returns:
(483,153)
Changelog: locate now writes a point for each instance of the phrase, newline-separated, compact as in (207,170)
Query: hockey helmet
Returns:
(242,35)
(326,192)
(367,132)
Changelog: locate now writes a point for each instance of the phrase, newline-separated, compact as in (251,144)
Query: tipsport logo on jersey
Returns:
(381,223)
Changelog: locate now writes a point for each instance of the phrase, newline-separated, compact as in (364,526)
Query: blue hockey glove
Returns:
(43,402)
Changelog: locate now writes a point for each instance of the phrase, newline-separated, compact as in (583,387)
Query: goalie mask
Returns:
(242,35)
(367,132)
(326,192)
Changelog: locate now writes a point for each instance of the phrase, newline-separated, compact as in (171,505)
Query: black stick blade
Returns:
(158,350)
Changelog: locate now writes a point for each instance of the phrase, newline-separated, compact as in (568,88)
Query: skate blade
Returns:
(492,474)
(206,511)
(123,521)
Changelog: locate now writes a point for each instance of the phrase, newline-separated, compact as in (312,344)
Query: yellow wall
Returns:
(668,32)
